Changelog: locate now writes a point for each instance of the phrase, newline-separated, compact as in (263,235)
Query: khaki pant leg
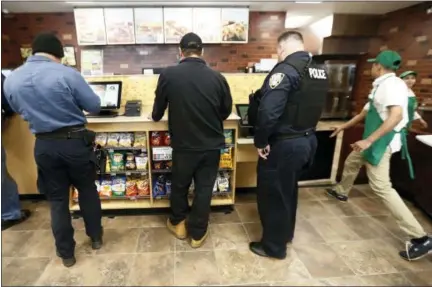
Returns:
(379,180)
(352,166)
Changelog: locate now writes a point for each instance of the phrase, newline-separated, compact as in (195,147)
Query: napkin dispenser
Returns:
(133,108)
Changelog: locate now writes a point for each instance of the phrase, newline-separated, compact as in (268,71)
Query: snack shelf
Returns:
(119,204)
(161,203)
(134,198)
(113,148)
(169,170)
(125,172)
(191,196)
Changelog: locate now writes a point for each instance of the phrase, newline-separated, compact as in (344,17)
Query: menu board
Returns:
(177,22)
(235,25)
(91,62)
(207,24)
(90,26)
(69,56)
(149,25)
(119,24)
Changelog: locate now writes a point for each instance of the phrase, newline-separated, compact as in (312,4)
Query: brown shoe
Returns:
(178,230)
(198,243)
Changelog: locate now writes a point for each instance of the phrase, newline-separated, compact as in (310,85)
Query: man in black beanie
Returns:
(51,97)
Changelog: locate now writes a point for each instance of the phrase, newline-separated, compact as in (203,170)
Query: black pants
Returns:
(202,167)
(62,163)
(277,190)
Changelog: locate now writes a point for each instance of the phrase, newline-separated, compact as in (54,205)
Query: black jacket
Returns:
(199,100)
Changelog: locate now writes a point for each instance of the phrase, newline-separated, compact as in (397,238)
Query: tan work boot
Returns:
(178,230)
(198,243)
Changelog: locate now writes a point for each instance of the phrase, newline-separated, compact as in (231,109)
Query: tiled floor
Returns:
(336,244)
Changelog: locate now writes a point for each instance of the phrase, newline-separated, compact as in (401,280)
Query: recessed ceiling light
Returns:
(296,21)
(308,2)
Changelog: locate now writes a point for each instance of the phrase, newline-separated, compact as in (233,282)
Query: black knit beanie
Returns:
(48,43)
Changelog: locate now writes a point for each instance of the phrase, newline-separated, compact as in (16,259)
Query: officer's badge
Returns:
(275,80)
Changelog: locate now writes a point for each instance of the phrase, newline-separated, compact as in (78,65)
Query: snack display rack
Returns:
(158,180)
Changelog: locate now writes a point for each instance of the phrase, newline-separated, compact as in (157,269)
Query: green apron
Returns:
(376,151)
(412,107)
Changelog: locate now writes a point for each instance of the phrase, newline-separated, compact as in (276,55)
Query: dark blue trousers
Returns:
(62,163)
(277,190)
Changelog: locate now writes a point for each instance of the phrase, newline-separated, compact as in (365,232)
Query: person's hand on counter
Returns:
(337,131)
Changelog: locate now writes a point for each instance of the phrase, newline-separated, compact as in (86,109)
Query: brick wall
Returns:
(409,32)
(19,29)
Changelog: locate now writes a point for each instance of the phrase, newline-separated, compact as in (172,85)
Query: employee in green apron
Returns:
(409,78)
(386,116)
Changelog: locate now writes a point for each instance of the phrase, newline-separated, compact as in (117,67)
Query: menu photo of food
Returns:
(177,22)
(149,25)
(207,24)
(119,24)
(235,25)
(69,56)
(90,26)
(26,52)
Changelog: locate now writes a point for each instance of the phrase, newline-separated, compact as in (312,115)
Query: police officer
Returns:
(288,107)
(199,101)
(51,97)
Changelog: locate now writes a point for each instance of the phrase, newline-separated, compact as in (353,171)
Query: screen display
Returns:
(108,93)
(242,111)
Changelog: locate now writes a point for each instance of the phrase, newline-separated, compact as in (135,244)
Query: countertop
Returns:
(322,126)
(141,119)
(426,139)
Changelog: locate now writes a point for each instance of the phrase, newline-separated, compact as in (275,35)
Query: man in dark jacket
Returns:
(199,101)
(11,213)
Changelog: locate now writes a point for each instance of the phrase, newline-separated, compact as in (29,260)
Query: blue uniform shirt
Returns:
(49,95)
(277,86)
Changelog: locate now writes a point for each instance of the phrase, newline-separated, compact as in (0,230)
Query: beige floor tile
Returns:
(388,222)
(78,224)
(425,221)
(254,231)
(365,189)
(157,239)
(321,261)
(394,279)
(321,193)
(306,193)
(102,270)
(38,220)
(83,244)
(239,267)
(196,268)
(184,245)
(313,209)
(299,282)
(371,206)
(13,241)
(389,249)
(154,220)
(221,217)
(40,244)
(366,227)
(245,197)
(120,222)
(342,281)
(5,261)
(343,209)
(248,213)
(305,233)
(23,271)
(333,229)
(422,278)
(152,269)
(361,257)
(120,241)
(284,270)
(412,207)
(229,236)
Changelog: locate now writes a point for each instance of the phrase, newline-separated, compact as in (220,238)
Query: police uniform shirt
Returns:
(389,90)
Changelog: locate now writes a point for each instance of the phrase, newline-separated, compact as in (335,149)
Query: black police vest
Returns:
(305,105)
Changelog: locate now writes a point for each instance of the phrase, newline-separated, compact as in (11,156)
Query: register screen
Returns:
(108,94)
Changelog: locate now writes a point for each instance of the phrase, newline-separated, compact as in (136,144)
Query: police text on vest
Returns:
(317,73)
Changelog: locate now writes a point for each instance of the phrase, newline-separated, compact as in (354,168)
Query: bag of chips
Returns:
(143,187)
(159,186)
(105,189)
(117,162)
(118,186)
(101,139)
(140,140)
(168,187)
(156,139)
(226,160)
(141,162)
(98,185)
(131,187)
(130,161)
(228,136)
(223,183)
(167,139)
(113,140)
(126,139)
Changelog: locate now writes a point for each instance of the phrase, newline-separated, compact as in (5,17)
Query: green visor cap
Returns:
(407,73)
(388,59)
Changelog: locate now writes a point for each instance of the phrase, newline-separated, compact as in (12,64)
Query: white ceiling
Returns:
(315,10)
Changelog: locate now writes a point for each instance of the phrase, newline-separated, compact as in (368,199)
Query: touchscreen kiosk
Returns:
(110,96)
